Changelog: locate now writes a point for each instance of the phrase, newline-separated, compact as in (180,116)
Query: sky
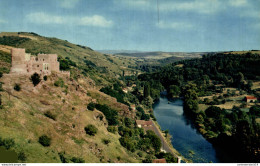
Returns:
(143,25)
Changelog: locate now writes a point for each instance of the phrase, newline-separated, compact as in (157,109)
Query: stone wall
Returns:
(23,63)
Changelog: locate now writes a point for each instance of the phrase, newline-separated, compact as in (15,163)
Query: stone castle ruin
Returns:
(44,64)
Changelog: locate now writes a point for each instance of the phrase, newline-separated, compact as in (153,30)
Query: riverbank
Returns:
(185,138)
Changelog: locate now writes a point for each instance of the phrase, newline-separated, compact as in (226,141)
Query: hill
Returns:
(100,67)
(213,89)
(82,118)
(151,61)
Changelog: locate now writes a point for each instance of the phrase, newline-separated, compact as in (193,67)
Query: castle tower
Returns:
(19,60)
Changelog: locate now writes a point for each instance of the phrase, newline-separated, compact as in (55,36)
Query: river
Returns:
(185,138)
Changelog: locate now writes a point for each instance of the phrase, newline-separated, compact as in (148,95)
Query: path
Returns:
(165,146)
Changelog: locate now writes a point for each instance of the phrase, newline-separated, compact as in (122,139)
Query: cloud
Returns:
(68,3)
(44,18)
(96,20)
(250,13)
(196,6)
(238,3)
(174,25)
(2,21)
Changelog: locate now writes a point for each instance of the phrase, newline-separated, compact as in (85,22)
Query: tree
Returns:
(146,90)
(174,91)
(91,106)
(155,140)
(91,130)
(17,87)
(44,140)
(35,78)
(213,112)
(255,111)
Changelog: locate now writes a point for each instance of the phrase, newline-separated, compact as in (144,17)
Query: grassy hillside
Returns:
(61,114)
(99,67)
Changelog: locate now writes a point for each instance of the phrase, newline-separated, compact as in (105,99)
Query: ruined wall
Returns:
(19,63)
(23,63)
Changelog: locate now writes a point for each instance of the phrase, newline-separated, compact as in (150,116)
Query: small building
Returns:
(159,160)
(250,99)
(143,123)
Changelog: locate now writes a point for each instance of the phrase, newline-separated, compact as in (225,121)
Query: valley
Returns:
(89,115)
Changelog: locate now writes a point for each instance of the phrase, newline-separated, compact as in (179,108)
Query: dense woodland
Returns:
(234,129)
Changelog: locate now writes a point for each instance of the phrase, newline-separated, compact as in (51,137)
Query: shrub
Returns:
(59,82)
(35,78)
(106,141)
(7,143)
(77,160)
(45,78)
(44,140)
(111,115)
(112,129)
(91,106)
(63,159)
(1,88)
(50,115)
(21,156)
(91,130)
(17,87)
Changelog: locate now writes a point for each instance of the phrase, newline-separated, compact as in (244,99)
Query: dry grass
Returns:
(23,119)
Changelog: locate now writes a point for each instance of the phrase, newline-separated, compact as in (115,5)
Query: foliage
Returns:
(91,106)
(65,64)
(155,140)
(91,130)
(7,143)
(44,140)
(59,83)
(168,157)
(17,87)
(77,160)
(13,40)
(174,90)
(63,159)
(35,78)
(50,115)
(45,78)
(106,141)
(112,129)
(111,115)
(116,92)
(22,156)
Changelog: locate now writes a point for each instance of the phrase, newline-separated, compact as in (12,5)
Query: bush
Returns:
(45,78)
(44,140)
(91,106)
(59,82)
(91,130)
(50,115)
(77,160)
(7,143)
(35,78)
(106,141)
(1,88)
(63,159)
(21,156)
(111,115)
(112,129)
(17,87)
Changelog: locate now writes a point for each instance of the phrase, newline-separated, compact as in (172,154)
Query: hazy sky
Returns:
(184,25)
